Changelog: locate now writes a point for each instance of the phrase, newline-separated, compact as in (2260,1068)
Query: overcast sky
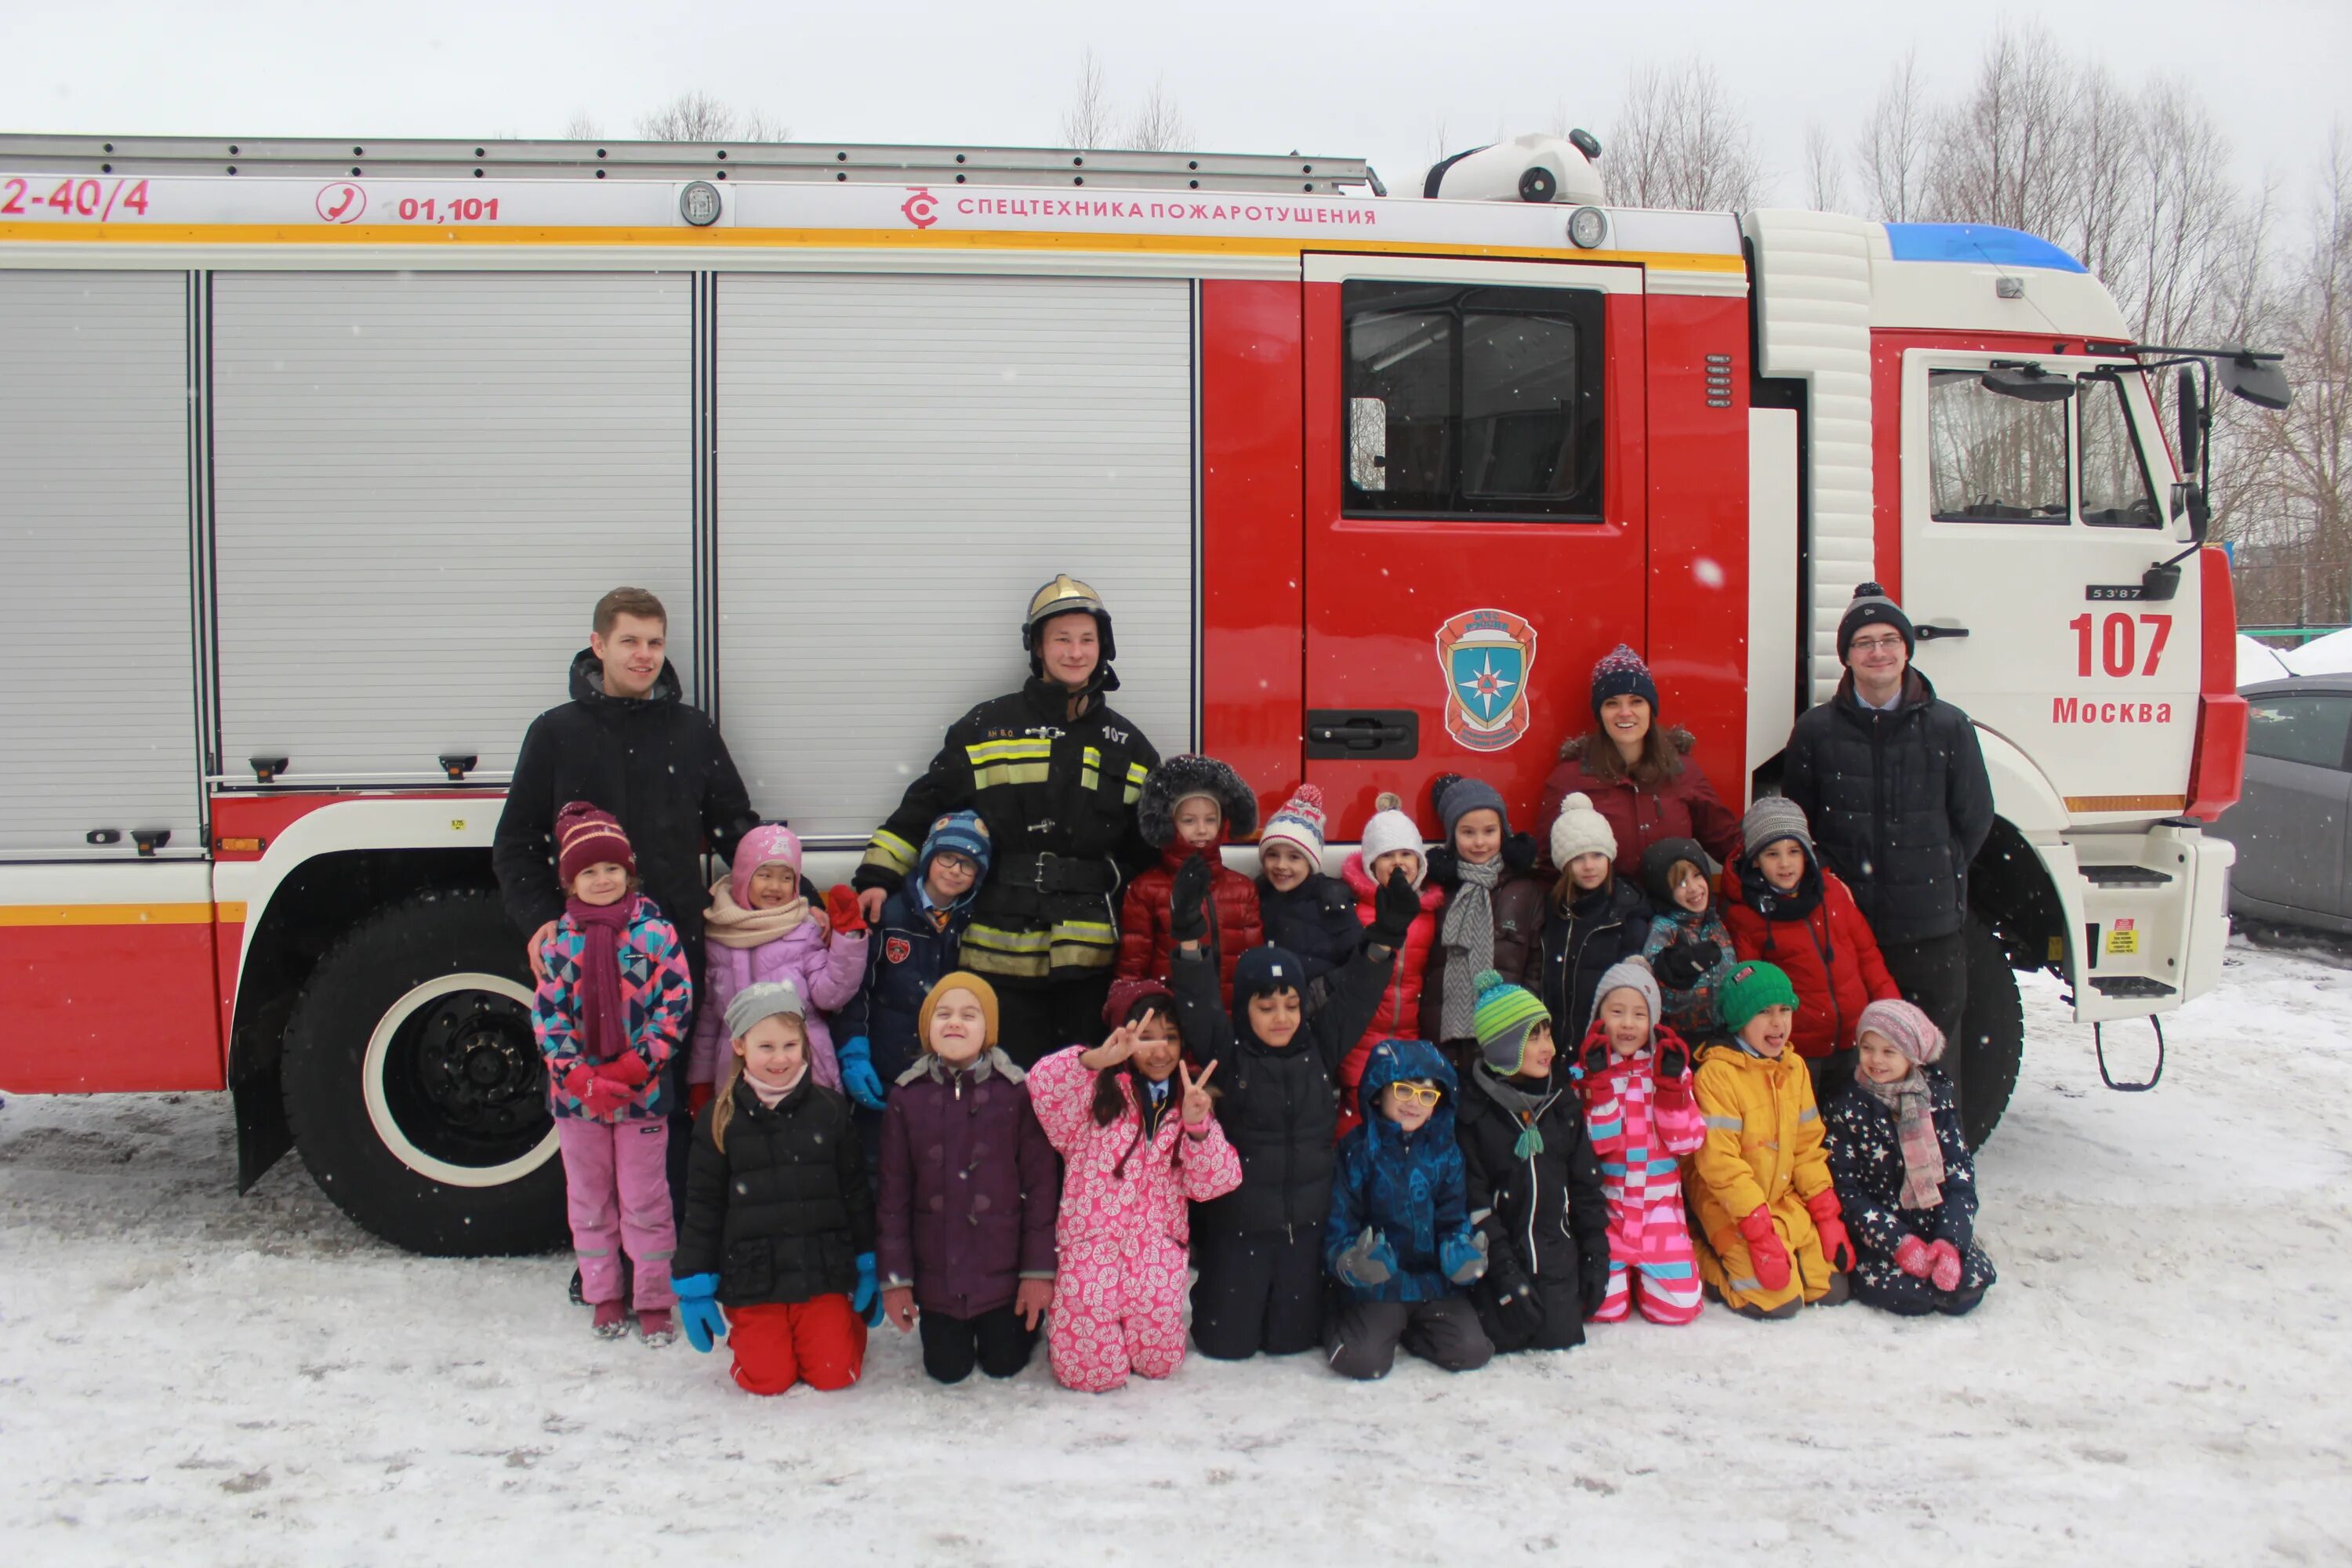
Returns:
(1374,78)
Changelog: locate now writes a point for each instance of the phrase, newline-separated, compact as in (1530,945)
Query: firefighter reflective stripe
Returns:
(1135,772)
(1727,1123)
(1091,768)
(1016,762)
(1809,1114)
(1070,945)
(890,852)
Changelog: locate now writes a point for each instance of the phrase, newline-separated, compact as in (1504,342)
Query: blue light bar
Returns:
(1978,242)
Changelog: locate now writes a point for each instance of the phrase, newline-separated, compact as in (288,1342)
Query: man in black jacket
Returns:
(628,743)
(1894,785)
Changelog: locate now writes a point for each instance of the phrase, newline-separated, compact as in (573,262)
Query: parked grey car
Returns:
(2289,826)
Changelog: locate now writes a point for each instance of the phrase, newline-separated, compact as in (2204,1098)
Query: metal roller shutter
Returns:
(94,549)
(902,462)
(423,482)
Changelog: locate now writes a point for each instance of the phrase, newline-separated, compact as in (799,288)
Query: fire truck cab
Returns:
(318,454)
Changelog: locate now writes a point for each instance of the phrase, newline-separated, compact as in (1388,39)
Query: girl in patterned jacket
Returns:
(1903,1171)
(1689,947)
(760,930)
(1634,1076)
(1139,1144)
(607,1017)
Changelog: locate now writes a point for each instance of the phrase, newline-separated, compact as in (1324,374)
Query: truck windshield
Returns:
(1994,458)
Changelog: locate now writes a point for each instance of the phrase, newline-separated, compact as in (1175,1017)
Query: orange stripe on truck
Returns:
(120,914)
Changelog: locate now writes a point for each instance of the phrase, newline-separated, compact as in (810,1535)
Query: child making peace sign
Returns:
(1132,1170)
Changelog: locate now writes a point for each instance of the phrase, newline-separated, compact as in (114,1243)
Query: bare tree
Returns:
(582,127)
(1159,125)
(698,115)
(1086,123)
(1678,143)
(1895,144)
(2007,153)
(1825,171)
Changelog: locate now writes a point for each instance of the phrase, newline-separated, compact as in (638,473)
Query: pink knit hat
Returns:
(763,845)
(585,836)
(1904,1028)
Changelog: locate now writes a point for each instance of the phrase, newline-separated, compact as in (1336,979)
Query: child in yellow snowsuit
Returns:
(1768,1231)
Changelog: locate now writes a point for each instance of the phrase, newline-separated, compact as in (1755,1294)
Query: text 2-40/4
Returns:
(101,199)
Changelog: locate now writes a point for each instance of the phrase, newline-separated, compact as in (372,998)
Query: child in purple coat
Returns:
(760,928)
(971,1190)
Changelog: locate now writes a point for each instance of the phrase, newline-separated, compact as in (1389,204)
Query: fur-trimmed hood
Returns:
(1187,774)
(1572,748)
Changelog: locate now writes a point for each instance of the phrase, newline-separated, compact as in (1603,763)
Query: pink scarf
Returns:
(1914,1108)
(604,1024)
(773,1098)
(730,924)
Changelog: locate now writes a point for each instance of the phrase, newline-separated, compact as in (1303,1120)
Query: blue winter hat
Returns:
(1620,672)
(1261,969)
(963,833)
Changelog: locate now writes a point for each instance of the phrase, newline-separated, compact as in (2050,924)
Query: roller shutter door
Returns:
(100,728)
(424,483)
(902,462)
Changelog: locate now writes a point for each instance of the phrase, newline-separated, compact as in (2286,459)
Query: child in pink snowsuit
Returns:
(1634,1075)
(761,928)
(1140,1144)
(607,1018)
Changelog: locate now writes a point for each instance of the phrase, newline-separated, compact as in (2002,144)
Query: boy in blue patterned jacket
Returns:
(609,1014)
(1400,1241)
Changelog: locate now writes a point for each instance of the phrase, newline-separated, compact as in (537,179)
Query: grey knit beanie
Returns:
(1461,797)
(1629,974)
(764,1000)
(1774,817)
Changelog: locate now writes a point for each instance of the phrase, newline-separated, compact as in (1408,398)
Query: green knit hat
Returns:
(1505,1016)
(1750,988)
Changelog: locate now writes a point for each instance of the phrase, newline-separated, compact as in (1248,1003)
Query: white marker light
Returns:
(1588,227)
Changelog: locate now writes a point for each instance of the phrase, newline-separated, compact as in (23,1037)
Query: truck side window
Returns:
(1470,401)
(2113,486)
(1993,459)
(2309,729)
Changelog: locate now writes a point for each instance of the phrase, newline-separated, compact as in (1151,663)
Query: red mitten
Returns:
(841,908)
(1946,1275)
(577,1080)
(1913,1258)
(628,1068)
(605,1097)
(1765,1255)
(1673,1093)
(698,1095)
(1836,1245)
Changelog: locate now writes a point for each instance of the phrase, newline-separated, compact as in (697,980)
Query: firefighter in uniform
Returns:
(1055,772)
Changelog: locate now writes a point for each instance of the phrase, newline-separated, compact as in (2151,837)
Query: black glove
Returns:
(1443,864)
(1685,963)
(1188,915)
(1596,1054)
(1592,1282)
(1673,1059)
(1393,908)
(1520,1308)
(1519,853)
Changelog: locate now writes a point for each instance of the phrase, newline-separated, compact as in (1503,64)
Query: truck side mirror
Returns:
(2260,382)
(2192,424)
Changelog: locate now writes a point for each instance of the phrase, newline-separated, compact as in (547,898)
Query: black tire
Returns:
(453,1154)
(1994,1027)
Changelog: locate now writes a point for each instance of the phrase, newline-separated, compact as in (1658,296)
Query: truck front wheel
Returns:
(1993,1024)
(414,1085)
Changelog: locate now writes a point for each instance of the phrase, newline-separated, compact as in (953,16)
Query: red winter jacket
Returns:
(1147,947)
(1829,957)
(1399,1013)
(1685,806)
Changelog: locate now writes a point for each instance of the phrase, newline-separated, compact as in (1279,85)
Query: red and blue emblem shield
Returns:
(1487,657)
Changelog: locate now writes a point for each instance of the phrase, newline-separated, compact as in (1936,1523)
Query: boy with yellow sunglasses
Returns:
(1400,1243)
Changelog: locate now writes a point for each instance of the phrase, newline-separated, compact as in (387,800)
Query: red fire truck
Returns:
(317,455)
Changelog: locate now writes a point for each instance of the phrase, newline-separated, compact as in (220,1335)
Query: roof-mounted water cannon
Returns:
(1532,168)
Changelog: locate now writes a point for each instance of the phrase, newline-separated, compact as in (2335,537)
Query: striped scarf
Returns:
(1914,1127)
(1469,935)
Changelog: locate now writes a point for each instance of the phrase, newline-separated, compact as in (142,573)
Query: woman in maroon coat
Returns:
(1637,771)
(970,1193)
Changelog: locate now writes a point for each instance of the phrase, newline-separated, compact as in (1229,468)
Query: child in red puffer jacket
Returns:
(1191,805)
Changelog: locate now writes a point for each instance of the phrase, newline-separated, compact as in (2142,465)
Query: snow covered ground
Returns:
(186,1377)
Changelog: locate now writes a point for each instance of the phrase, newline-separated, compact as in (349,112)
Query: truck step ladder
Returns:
(799,162)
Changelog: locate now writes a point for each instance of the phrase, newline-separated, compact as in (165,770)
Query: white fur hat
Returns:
(1391,830)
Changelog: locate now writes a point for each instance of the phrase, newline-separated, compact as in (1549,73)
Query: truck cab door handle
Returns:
(1929,634)
(1337,733)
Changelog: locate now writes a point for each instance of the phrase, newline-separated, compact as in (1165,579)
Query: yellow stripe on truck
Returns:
(120,914)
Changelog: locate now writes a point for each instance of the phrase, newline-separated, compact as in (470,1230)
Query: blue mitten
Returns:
(858,1079)
(867,1302)
(698,1310)
(1463,1256)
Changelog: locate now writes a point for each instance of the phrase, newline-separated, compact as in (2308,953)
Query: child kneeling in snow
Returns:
(1636,1076)
(1768,1211)
(1399,1239)
(970,1190)
(608,1016)
(1140,1144)
(1895,1148)
(779,1218)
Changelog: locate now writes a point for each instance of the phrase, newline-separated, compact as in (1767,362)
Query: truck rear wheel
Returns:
(414,1085)
(1994,1030)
